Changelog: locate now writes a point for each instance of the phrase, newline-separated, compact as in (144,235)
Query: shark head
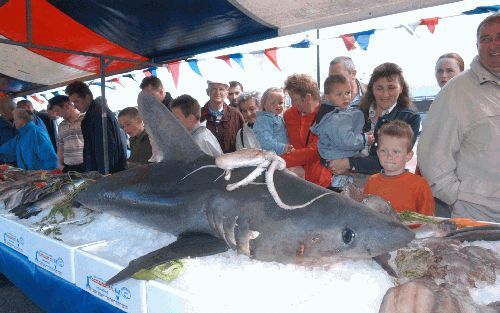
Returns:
(330,230)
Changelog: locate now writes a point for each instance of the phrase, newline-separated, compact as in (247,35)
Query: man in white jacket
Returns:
(459,149)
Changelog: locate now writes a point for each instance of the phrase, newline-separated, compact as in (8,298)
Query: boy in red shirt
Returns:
(404,190)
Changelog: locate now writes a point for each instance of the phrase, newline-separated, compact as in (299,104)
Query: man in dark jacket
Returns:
(153,86)
(92,130)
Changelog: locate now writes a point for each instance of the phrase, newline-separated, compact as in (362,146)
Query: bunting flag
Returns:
(271,55)
(483,9)
(44,96)
(105,85)
(55,93)
(193,64)
(363,38)
(430,23)
(225,58)
(303,44)
(37,99)
(411,27)
(150,72)
(116,80)
(259,55)
(131,76)
(238,58)
(349,41)
(174,70)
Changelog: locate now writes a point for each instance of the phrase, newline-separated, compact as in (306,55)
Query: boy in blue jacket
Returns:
(340,131)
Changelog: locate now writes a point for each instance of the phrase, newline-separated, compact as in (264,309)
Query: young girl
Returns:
(269,127)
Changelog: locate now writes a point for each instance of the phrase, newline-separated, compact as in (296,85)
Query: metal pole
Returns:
(28,22)
(104,116)
(318,73)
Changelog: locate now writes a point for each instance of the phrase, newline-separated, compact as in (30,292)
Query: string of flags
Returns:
(351,41)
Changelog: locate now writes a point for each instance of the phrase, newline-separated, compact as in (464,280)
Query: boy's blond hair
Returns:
(397,129)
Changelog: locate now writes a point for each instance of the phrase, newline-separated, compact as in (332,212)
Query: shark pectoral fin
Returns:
(186,245)
(243,234)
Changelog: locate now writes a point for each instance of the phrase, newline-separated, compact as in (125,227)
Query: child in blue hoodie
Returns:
(269,128)
(340,131)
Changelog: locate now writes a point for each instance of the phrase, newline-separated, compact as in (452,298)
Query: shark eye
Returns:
(348,236)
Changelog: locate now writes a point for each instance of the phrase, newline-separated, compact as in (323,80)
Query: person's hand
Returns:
(288,148)
(340,166)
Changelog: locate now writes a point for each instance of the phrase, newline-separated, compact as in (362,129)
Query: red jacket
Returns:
(305,144)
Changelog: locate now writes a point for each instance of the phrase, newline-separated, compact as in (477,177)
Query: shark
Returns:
(182,195)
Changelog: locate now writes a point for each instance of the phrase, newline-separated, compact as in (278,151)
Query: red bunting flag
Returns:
(226,58)
(37,99)
(147,73)
(349,41)
(271,55)
(116,80)
(430,23)
(173,68)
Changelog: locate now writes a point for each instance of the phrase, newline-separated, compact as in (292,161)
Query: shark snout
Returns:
(392,237)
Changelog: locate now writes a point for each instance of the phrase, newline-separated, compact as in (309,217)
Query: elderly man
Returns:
(222,120)
(188,112)
(31,148)
(345,66)
(92,129)
(459,150)
(235,90)
(304,93)
(38,118)
(153,86)
(7,128)
(70,140)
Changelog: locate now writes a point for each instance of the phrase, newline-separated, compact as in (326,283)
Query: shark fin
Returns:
(169,139)
(186,245)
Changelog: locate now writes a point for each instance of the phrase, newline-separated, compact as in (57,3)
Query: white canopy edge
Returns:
(23,64)
(293,16)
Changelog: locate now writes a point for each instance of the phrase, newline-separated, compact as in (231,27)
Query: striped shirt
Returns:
(71,141)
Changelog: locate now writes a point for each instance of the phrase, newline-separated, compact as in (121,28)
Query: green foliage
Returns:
(166,271)
(410,216)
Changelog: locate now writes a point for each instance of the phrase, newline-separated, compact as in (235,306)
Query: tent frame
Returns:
(104,59)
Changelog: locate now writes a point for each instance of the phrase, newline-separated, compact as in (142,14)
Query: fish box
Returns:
(92,272)
(53,255)
(162,298)
(15,235)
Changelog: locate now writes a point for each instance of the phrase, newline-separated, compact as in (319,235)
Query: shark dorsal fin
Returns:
(168,137)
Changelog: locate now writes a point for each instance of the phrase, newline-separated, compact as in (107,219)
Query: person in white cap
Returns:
(222,120)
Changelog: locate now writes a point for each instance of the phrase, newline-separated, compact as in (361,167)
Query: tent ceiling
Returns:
(152,30)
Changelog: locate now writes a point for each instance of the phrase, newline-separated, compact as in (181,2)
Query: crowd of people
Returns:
(353,130)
